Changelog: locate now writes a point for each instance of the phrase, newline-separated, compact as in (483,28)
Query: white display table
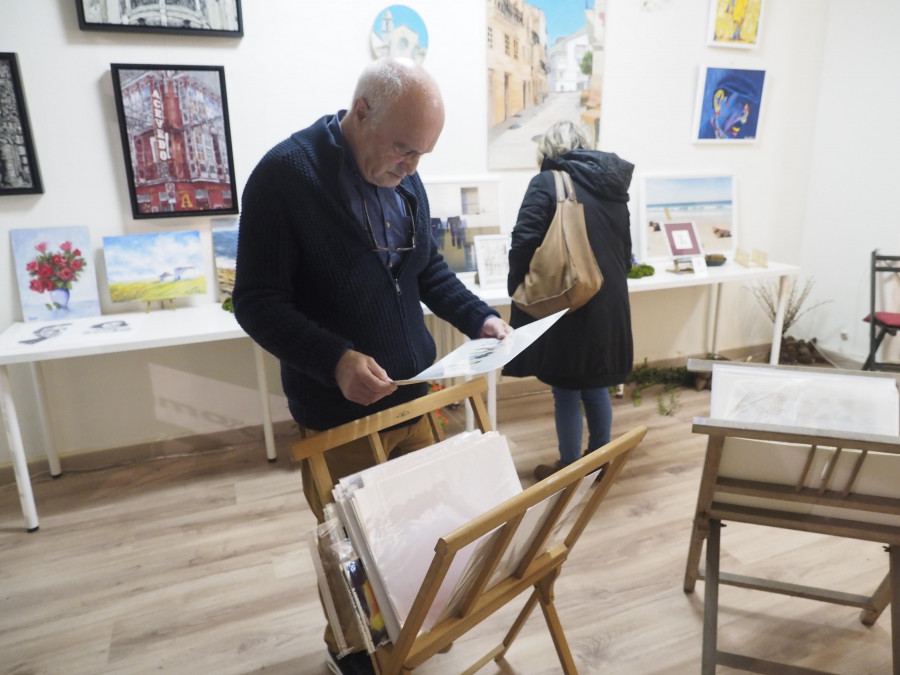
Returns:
(713,277)
(210,323)
(158,328)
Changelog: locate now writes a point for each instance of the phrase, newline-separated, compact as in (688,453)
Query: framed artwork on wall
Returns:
(734,23)
(19,173)
(154,266)
(400,32)
(709,201)
(728,105)
(545,61)
(55,273)
(176,139)
(184,17)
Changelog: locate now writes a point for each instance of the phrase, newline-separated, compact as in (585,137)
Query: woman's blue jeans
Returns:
(567,405)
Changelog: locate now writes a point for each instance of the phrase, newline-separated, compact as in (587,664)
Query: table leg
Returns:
(17,450)
(37,372)
(715,291)
(263,386)
(779,320)
(492,398)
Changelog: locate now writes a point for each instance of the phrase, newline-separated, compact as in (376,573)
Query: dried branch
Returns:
(767,296)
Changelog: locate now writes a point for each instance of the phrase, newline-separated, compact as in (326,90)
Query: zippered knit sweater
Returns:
(309,287)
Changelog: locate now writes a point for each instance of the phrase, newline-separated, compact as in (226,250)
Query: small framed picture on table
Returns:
(492,259)
(684,246)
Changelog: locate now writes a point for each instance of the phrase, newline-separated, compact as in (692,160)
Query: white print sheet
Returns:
(482,356)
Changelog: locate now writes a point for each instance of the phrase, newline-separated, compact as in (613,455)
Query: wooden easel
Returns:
(535,569)
(850,513)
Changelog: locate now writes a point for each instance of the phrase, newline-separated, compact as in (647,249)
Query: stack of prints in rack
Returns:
(395,512)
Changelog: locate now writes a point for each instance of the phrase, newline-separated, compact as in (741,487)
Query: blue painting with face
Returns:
(729,107)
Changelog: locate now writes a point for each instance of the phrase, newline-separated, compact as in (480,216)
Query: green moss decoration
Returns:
(641,270)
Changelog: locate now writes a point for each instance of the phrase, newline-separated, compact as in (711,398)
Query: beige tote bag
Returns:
(563,274)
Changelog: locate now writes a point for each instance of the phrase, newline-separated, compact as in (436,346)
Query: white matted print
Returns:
(492,259)
(709,201)
(682,240)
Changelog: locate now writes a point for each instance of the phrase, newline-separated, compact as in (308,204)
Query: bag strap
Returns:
(564,188)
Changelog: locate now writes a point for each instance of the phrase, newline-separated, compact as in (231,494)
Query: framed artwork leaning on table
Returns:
(154,266)
(709,201)
(55,273)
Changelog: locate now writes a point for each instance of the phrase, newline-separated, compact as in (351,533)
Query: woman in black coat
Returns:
(590,349)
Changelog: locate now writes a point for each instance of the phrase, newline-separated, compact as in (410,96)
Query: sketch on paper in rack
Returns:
(154,266)
(19,172)
(728,105)
(175,134)
(185,17)
(707,201)
(545,62)
(734,23)
(55,273)
(399,31)
(225,236)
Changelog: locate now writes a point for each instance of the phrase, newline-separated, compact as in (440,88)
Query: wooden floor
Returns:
(200,564)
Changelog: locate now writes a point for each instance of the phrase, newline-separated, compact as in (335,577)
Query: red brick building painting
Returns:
(178,146)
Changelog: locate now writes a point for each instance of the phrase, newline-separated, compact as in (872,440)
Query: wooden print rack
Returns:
(535,569)
(826,500)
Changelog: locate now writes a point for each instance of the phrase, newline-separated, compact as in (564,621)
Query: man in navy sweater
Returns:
(334,256)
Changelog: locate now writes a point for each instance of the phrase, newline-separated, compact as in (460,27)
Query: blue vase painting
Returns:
(55,272)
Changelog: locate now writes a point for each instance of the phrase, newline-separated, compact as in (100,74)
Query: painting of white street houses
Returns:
(545,64)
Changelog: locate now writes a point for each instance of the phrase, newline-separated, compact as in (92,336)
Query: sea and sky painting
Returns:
(707,201)
(154,266)
(55,273)
(225,236)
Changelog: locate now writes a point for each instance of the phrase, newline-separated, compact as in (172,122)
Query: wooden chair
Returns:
(505,569)
(880,323)
(806,480)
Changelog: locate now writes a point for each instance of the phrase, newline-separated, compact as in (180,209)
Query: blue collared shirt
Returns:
(384,208)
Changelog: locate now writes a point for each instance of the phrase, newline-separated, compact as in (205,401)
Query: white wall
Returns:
(854,174)
(299,60)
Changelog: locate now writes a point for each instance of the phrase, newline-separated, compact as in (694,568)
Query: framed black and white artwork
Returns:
(183,17)
(19,173)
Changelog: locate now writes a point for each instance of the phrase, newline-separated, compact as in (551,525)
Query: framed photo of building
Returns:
(176,139)
(19,172)
(185,17)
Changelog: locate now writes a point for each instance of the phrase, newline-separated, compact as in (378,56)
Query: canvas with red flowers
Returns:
(55,273)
